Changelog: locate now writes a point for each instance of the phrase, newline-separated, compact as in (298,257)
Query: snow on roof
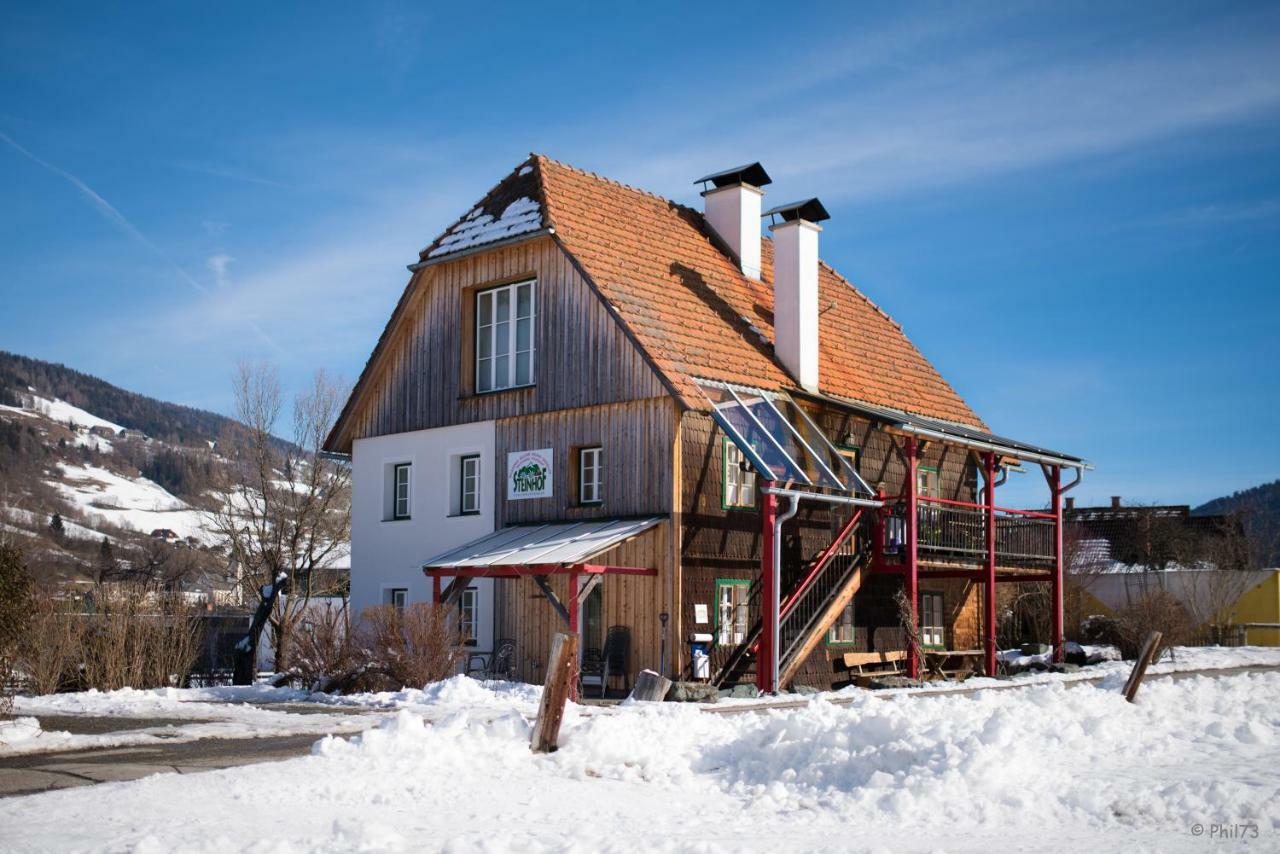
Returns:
(520,217)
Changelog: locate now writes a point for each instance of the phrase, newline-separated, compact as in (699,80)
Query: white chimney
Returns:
(733,210)
(795,288)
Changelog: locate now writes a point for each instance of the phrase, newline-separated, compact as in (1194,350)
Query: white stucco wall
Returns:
(387,553)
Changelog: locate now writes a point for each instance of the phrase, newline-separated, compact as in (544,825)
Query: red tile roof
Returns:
(696,315)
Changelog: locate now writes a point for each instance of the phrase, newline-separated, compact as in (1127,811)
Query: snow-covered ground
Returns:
(1044,768)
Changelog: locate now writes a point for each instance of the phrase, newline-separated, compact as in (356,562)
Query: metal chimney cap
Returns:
(750,173)
(810,210)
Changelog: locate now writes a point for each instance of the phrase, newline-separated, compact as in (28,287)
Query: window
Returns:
(927,482)
(732,611)
(400,491)
(469,485)
(504,337)
(931,624)
(590,476)
(842,632)
(468,607)
(738,488)
(399,597)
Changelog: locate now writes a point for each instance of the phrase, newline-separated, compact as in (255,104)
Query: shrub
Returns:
(1152,611)
(408,647)
(15,609)
(51,653)
(325,656)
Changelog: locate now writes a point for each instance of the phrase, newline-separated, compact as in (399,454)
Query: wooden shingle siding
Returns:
(523,613)
(636,438)
(584,356)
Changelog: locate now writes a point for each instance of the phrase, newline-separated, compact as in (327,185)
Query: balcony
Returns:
(956,532)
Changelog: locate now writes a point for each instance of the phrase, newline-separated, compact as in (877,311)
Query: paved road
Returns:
(25,775)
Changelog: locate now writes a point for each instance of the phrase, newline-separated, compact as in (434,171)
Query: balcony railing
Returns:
(958,530)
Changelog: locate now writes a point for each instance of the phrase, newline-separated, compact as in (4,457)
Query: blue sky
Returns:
(1074,211)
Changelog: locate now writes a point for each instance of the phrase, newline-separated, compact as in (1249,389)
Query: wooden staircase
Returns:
(810,609)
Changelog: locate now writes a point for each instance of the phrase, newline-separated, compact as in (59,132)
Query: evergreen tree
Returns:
(106,559)
(55,525)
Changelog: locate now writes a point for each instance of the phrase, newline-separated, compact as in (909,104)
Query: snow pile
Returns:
(1067,768)
(19,731)
(520,217)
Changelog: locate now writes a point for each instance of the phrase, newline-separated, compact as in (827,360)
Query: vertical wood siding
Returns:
(636,438)
(422,378)
(523,612)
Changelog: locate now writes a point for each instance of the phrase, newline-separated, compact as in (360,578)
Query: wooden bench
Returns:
(959,664)
(860,668)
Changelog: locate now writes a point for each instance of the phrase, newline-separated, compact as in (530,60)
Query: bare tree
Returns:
(283,508)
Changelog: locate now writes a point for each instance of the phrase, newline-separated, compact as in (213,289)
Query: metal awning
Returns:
(946,431)
(546,548)
(779,439)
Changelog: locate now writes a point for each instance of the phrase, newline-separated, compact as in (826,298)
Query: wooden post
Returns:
(1056,586)
(912,579)
(555,693)
(1149,647)
(768,597)
(989,597)
(650,687)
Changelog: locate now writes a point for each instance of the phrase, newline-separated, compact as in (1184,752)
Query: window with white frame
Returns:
(505,337)
(468,609)
(469,485)
(401,478)
(842,632)
(739,486)
(590,476)
(932,629)
(399,597)
(732,610)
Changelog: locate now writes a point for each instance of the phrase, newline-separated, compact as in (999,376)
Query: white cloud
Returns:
(218,265)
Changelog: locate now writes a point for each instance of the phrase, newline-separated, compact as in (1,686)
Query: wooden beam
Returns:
(545,586)
(454,591)
(592,582)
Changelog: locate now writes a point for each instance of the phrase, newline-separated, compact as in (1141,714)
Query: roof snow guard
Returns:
(542,549)
(779,439)
(750,173)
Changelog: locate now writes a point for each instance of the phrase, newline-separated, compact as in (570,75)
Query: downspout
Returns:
(775,607)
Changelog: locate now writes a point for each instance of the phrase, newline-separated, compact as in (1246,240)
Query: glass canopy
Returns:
(778,437)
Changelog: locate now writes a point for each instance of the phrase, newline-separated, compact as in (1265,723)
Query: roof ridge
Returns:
(857,290)
(607,180)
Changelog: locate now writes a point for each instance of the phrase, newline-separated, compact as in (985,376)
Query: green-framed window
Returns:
(732,621)
(927,481)
(738,481)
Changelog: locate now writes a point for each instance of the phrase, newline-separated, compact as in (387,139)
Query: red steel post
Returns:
(912,578)
(989,597)
(435,589)
(1055,486)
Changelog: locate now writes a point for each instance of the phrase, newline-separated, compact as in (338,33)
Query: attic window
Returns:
(505,346)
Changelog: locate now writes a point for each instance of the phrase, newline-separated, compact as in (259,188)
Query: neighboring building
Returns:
(1118,554)
(595,399)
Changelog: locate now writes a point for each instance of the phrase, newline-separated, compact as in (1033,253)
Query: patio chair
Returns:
(617,655)
(591,673)
(499,664)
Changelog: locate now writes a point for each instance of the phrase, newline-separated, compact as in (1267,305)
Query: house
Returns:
(1117,554)
(593,407)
